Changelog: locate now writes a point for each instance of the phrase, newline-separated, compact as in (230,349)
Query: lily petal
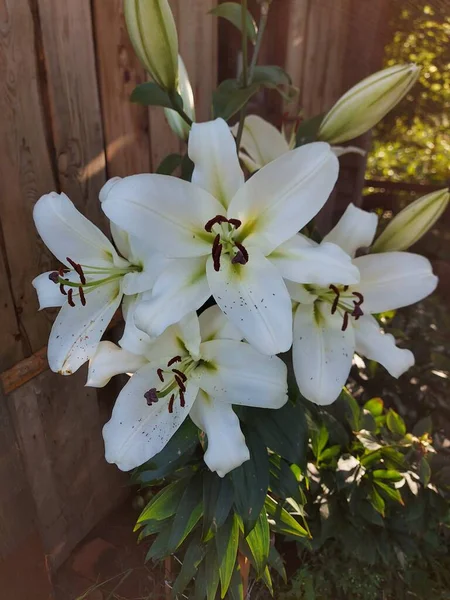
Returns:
(322,353)
(215,325)
(78,329)
(321,265)
(67,233)
(47,291)
(355,229)
(133,339)
(376,345)
(390,280)
(110,360)
(181,288)
(120,238)
(277,201)
(262,141)
(168,212)
(226,443)
(236,373)
(255,299)
(213,151)
(136,431)
(152,264)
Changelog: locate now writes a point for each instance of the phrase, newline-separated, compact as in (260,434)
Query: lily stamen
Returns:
(82,296)
(70,298)
(160,374)
(174,360)
(180,374)
(217,220)
(171,401)
(345,321)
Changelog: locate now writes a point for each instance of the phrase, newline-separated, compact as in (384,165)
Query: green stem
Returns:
(247,72)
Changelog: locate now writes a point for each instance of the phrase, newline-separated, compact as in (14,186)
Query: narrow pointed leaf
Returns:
(276,562)
(192,558)
(150,94)
(164,504)
(282,521)
(168,164)
(232,12)
(258,541)
(227,540)
(217,501)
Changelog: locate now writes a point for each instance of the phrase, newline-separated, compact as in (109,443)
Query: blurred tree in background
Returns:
(413,142)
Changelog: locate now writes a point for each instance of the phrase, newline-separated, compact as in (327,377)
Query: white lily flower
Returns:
(176,122)
(262,143)
(332,321)
(90,284)
(199,367)
(224,230)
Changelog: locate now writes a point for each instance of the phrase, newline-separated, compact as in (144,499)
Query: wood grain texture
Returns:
(68,49)
(125,125)
(58,423)
(25,174)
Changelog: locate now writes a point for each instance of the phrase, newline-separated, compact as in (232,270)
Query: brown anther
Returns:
(151,396)
(345,322)
(78,269)
(54,277)
(62,271)
(215,221)
(171,401)
(235,222)
(357,312)
(180,383)
(243,249)
(334,289)
(360,298)
(334,305)
(82,296)
(217,252)
(62,290)
(174,360)
(70,297)
(180,374)
(182,402)
(345,288)
(160,374)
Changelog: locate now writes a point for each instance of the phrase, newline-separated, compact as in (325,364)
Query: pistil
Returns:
(225,239)
(175,385)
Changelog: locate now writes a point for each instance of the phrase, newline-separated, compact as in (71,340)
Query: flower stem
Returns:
(247,72)
(180,110)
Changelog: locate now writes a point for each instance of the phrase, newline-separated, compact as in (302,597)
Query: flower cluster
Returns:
(179,243)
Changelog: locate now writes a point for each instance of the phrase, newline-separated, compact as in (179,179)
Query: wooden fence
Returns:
(67,70)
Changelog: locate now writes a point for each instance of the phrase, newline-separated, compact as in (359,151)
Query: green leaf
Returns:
(191,560)
(370,514)
(284,430)
(160,547)
(276,562)
(230,97)
(211,572)
(150,94)
(283,522)
(189,511)
(375,406)
(423,426)
(251,481)
(395,423)
(389,492)
(164,504)
(187,168)
(352,410)
(236,589)
(307,130)
(218,498)
(268,580)
(387,475)
(330,453)
(319,439)
(227,540)
(377,501)
(177,452)
(368,421)
(200,583)
(424,471)
(232,12)
(168,164)
(151,528)
(258,541)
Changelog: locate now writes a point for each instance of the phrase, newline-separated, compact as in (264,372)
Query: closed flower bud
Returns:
(412,222)
(153,33)
(177,123)
(365,104)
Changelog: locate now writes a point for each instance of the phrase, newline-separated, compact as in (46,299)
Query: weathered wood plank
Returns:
(58,423)
(25,174)
(68,49)
(126,125)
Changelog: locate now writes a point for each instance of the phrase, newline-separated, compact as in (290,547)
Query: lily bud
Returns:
(177,123)
(365,104)
(412,222)
(153,33)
